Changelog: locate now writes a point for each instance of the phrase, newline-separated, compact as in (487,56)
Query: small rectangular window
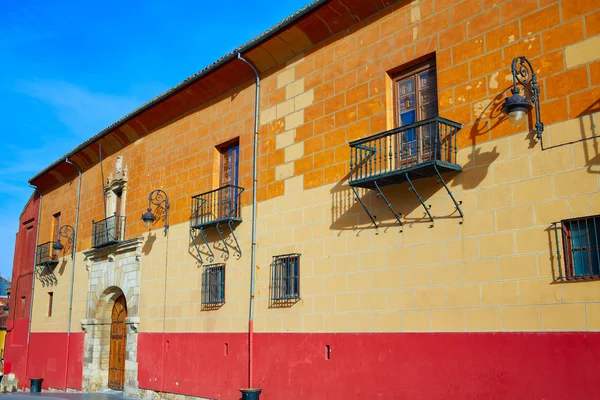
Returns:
(581,238)
(213,285)
(285,279)
(23,313)
(50,300)
(56,227)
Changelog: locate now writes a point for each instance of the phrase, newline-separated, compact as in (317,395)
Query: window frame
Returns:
(212,272)
(412,71)
(568,249)
(280,273)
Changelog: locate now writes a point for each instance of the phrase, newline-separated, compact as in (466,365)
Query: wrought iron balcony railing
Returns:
(46,255)
(221,205)
(418,149)
(108,231)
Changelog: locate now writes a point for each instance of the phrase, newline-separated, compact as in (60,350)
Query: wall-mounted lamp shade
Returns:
(148,219)
(58,246)
(516,107)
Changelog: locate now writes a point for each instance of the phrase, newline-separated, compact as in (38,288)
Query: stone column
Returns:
(130,388)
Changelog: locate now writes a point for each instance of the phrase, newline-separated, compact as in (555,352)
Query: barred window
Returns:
(286,277)
(213,284)
(581,247)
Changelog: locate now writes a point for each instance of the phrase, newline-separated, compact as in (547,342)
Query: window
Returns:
(285,277)
(23,314)
(213,284)
(581,239)
(415,98)
(50,299)
(56,227)
(228,197)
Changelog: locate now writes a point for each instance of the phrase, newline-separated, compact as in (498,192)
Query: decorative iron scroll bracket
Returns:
(456,203)
(238,248)
(412,189)
(225,247)
(397,215)
(357,197)
(194,232)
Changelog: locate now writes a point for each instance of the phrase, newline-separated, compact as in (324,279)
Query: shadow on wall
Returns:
(149,244)
(348,214)
(223,249)
(555,252)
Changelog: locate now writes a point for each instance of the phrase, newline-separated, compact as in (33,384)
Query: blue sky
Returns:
(68,69)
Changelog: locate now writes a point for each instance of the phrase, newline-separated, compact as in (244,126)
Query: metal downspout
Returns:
(37,238)
(253,248)
(73,252)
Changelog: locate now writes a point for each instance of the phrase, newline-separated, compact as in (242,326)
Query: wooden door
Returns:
(118,338)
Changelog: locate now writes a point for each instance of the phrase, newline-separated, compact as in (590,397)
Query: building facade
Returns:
(410,241)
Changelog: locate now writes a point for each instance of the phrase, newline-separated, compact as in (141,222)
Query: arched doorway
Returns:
(118,339)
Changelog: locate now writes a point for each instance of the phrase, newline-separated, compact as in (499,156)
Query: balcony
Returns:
(415,150)
(218,206)
(425,148)
(45,255)
(108,231)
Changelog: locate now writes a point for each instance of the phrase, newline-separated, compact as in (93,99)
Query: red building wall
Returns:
(291,366)
(15,353)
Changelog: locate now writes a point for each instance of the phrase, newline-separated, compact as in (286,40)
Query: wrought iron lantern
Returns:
(160,199)
(65,231)
(517,106)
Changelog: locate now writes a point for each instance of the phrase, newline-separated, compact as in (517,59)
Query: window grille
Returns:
(581,238)
(285,279)
(213,284)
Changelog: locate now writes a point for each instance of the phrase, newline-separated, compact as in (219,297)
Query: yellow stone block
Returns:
(551,161)
(535,240)
(291,323)
(532,190)
(472,178)
(324,304)
(483,319)
(429,253)
(346,263)
(494,197)
(524,318)
(285,77)
(268,115)
(581,291)
(446,274)
(412,277)
(304,100)
(481,270)
(580,205)
(336,322)
(274,323)
(399,257)
(496,294)
(487,153)
(466,248)
(464,296)
(285,108)
(347,302)
(496,245)
(417,321)
(582,52)
(512,170)
(313,285)
(387,279)
(593,316)
(478,224)
(294,152)
(400,299)
(312,322)
(518,267)
(552,211)
(294,120)
(360,282)
(539,291)
(294,88)
(564,317)
(360,322)
(372,301)
(335,283)
(575,182)
(447,320)
(387,321)
(430,297)
(514,218)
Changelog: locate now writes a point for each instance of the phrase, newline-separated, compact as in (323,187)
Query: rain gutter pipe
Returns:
(37,239)
(73,252)
(253,248)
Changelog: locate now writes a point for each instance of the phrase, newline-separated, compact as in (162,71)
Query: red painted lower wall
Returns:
(15,348)
(462,366)
(47,359)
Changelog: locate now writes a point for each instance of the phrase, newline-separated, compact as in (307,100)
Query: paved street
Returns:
(67,396)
